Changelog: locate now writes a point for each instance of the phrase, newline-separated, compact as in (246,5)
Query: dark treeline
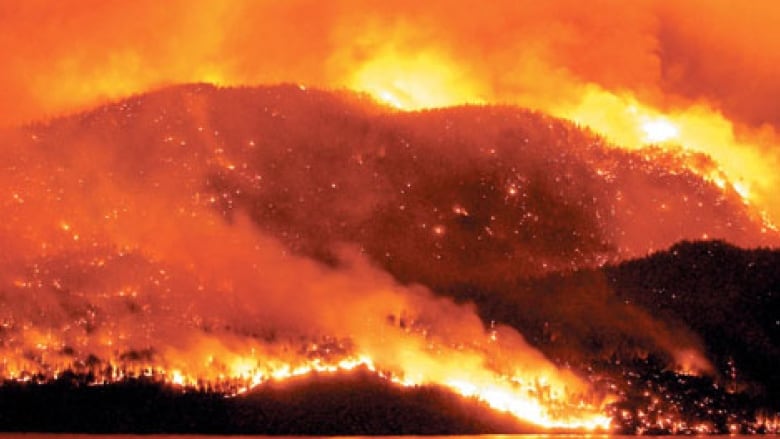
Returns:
(356,403)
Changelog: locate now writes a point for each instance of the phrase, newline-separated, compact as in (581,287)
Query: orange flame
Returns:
(440,343)
(405,84)
(698,129)
(422,80)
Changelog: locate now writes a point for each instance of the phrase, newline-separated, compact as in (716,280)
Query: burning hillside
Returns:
(225,237)
(440,198)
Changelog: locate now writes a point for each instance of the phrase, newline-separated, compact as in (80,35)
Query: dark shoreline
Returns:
(357,403)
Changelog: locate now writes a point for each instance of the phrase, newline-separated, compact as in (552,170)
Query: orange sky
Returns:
(60,56)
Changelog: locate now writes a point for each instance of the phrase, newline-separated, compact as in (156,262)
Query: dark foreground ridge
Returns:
(356,403)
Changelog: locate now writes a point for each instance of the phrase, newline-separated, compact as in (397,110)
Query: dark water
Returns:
(185,436)
(195,436)
(190,436)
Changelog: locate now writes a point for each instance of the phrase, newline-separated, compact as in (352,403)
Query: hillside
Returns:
(216,235)
(434,196)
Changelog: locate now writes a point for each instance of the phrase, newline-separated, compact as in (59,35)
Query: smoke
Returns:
(725,55)
(668,54)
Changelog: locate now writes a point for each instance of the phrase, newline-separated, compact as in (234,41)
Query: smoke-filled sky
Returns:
(58,56)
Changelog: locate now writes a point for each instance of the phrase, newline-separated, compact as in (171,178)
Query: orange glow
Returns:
(649,75)
(404,84)
(659,130)
(517,396)
(631,124)
(422,80)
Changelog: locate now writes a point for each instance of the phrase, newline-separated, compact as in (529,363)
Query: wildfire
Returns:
(423,80)
(506,394)
(659,130)
(149,320)
(151,244)
(413,58)
(698,129)
(417,82)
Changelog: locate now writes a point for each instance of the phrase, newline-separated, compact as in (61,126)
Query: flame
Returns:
(422,80)
(419,81)
(499,392)
(166,325)
(659,130)
(502,393)
(541,401)
(741,168)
